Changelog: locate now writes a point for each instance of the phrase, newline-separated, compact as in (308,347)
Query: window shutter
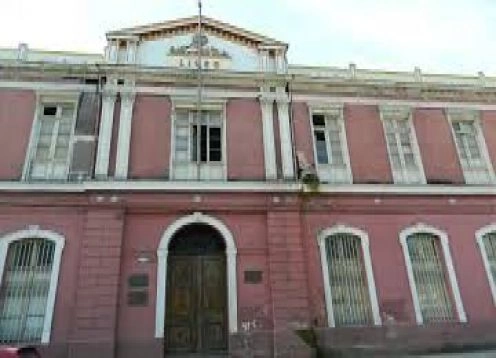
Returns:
(84,146)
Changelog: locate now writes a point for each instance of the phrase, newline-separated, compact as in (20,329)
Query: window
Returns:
(29,267)
(50,153)
(330,147)
(402,146)
(486,239)
(349,283)
(431,275)
(198,149)
(471,147)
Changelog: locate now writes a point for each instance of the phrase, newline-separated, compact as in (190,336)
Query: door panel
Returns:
(196,319)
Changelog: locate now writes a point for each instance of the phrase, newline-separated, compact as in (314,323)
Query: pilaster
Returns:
(268,138)
(124,139)
(105,134)
(286,138)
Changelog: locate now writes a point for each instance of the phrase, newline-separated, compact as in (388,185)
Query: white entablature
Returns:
(175,44)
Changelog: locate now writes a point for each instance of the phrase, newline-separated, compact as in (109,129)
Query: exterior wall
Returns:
(437,147)
(488,124)
(366,144)
(150,138)
(17,109)
(303,131)
(245,150)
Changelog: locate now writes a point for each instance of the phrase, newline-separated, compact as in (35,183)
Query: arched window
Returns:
(348,279)
(29,265)
(486,238)
(431,274)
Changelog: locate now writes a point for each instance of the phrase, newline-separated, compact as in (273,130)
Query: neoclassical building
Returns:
(193,192)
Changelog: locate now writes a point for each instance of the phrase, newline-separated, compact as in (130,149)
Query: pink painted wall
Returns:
(366,144)
(303,131)
(67,223)
(437,147)
(16,118)
(488,119)
(150,137)
(245,150)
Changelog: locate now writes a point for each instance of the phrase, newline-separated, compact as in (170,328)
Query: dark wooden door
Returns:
(196,315)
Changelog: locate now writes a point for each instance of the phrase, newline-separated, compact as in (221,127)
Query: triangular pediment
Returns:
(190,25)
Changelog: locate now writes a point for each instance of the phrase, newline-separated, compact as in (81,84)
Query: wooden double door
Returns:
(196,314)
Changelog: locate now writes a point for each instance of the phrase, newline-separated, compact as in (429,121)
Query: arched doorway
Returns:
(196,317)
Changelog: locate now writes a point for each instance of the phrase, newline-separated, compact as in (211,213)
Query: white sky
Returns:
(436,35)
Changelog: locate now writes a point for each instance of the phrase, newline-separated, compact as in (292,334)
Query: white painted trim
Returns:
(414,143)
(267,108)
(59,241)
(320,99)
(32,137)
(285,138)
(162,255)
(482,143)
(105,135)
(479,235)
(124,136)
(443,237)
(321,109)
(240,186)
(364,241)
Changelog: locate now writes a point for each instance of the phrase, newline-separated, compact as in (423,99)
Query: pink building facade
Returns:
(304,209)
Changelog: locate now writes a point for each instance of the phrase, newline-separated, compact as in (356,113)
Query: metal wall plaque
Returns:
(138,281)
(137,298)
(253,276)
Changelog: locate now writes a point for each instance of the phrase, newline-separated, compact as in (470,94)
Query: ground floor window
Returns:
(25,289)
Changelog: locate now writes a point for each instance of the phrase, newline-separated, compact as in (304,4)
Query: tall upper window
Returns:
(198,149)
(431,274)
(486,238)
(350,289)
(52,141)
(24,290)
(331,152)
(401,142)
(471,147)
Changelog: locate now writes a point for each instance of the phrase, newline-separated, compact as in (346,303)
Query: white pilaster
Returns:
(268,138)
(105,135)
(124,139)
(285,137)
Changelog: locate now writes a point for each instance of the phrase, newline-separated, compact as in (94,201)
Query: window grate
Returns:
(24,290)
(430,278)
(349,290)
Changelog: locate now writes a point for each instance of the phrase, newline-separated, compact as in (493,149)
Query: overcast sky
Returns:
(436,35)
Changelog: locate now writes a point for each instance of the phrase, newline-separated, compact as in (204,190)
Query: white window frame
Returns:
(207,105)
(41,100)
(31,232)
(324,171)
(471,116)
(398,113)
(479,235)
(448,261)
(367,261)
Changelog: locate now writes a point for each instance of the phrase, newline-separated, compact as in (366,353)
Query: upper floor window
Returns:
(198,144)
(348,279)
(431,274)
(471,147)
(331,151)
(49,157)
(404,154)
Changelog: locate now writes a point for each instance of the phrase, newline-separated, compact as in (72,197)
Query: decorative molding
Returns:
(34,231)
(162,254)
(479,235)
(448,261)
(364,241)
(267,107)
